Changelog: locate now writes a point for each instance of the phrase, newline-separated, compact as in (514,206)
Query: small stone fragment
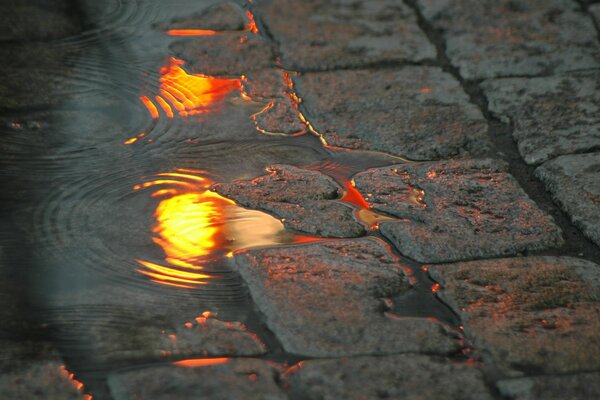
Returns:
(316,35)
(551,116)
(325,299)
(552,387)
(495,38)
(304,200)
(219,17)
(389,377)
(279,118)
(533,313)
(241,379)
(456,210)
(420,113)
(574,182)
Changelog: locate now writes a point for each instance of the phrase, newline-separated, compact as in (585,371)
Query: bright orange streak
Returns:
(184,176)
(191,32)
(165,106)
(172,284)
(251,26)
(161,277)
(131,141)
(77,384)
(150,106)
(353,196)
(201,362)
(173,272)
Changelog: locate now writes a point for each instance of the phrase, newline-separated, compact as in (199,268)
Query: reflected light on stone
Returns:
(195,226)
(201,362)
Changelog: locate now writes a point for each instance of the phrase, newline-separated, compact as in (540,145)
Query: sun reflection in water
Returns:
(195,227)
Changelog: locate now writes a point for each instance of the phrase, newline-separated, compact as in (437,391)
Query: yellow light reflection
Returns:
(195,226)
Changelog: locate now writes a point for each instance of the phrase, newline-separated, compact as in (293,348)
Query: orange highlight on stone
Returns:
(201,362)
(191,32)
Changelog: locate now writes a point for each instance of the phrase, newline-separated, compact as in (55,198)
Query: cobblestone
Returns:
(304,200)
(528,314)
(290,285)
(390,377)
(314,35)
(574,182)
(42,380)
(550,116)
(492,38)
(219,17)
(420,113)
(456,210)
(553,387)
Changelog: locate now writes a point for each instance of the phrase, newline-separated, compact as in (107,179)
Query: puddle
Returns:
(110,201)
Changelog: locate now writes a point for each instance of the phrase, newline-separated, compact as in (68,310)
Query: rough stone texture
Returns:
(494,38)
(317,35)
(574,182)
(280,117)
(303,199)
(224,55)
(420,113)
(595,10)
(147,340)
(36,20)
(392,377)
(43,380)
(219,17)
(537,314)
(243,379)
(456,210)
(327,299)
(551,116)
(570,387)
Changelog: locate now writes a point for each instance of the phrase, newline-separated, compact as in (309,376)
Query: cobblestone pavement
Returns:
(465,266)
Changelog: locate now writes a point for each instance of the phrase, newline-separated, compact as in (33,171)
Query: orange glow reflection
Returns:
(191,32)
(201,362)
(77,384)
(195,226)
(188,94)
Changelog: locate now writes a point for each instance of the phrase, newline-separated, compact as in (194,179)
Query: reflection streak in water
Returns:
(201,362)
(195,227)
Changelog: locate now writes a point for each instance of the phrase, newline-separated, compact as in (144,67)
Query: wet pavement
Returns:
(274,199)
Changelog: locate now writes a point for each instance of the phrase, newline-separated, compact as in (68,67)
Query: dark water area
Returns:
(105,222)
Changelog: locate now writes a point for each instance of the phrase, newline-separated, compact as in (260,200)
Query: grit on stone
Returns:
(534,313)
(495,38)
(389,377)
(327,299)
(574,182)
(553,387)
(318,35)
(551,116)
(420,113)
(456,210)
(242,379)
(305,200)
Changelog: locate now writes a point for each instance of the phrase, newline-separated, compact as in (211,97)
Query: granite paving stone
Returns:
(305,200)
(389,377)
(327,299)
(550,116)
(456,210)
(420,113)
(574,182)
(496,38)
(218,17)
(539,314)
(318,35)
(241,379)
(552,387)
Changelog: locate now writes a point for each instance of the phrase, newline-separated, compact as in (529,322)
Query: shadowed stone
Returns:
(316,35)
(551,116)
(42,380)
(390,377)
(421,113)
(574,182)
(242,379)
(494,38)
(219,17)
(534,313)
(595,10)
(303,199)
(327,299)
(552,387)
(224,55)
(37,20)
(456,210)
